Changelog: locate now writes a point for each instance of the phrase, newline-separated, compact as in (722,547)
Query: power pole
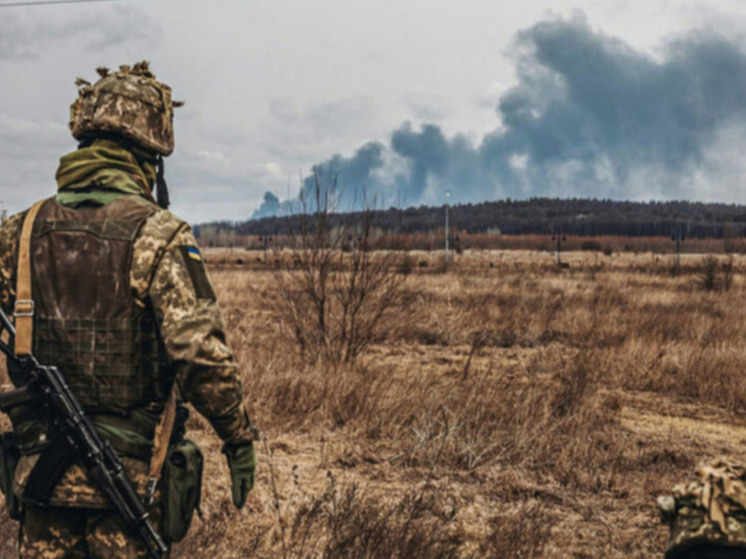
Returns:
(354,240)
(448,196)
(266,239)
(679,237)
(559,237)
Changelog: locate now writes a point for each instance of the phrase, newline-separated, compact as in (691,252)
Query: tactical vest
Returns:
(87,320)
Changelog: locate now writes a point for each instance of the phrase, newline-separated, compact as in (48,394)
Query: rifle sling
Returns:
(24,305)
(162,437)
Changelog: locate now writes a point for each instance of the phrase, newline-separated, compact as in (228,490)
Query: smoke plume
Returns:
(588,116)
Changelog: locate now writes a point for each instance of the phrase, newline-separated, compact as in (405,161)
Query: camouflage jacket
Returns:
(707,511)
(191,327)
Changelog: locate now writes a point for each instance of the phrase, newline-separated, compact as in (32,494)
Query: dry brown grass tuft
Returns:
(524,532)
(558,426)
(345,523)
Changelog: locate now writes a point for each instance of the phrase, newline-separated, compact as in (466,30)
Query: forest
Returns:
(579,217)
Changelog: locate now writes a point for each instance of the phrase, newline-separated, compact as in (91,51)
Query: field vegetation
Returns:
(500,407)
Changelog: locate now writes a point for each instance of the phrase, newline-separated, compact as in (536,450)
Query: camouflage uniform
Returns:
(57,532)
(168,279)
(707,515)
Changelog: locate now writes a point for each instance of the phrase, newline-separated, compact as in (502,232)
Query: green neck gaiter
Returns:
(104,171)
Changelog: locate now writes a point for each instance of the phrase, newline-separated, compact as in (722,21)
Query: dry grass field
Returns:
(504,408)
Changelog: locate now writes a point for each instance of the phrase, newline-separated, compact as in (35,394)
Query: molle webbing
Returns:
(113,229)
(105,361)
(87,321)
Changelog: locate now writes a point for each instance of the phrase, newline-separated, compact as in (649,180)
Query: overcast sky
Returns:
(634,99)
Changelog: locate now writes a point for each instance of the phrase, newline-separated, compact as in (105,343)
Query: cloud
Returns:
(334,115)
(427,106)
(274,169)
(29,154)
(299,133)
(15,33)
(588,116)
(129,25)
(27,37)
(215,156)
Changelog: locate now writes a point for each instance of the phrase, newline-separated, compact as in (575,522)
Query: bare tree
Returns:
(341,284)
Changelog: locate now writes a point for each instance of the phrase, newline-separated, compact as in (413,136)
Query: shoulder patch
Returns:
(193,253)
(196,268)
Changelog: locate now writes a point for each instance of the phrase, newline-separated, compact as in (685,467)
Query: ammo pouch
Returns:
(9,456)
(182,485)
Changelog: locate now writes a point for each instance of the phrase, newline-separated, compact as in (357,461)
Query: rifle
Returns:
(67,420)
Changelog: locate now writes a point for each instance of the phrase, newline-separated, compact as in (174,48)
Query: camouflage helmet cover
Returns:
(130,103)
(709,510)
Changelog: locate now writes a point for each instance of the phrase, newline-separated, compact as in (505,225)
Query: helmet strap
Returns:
(161,188)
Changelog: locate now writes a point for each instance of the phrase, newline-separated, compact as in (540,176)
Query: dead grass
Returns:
(507,408)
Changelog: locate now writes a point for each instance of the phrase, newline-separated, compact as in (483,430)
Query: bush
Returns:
(341,287)
(713,275)
(406,264)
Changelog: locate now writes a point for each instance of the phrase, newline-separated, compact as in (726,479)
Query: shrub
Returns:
(707,278)
(334,302)
(713,275)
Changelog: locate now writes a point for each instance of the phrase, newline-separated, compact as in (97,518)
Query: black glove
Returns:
(242,462)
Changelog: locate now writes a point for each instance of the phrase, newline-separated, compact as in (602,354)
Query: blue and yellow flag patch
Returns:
(193,253)
(195,266)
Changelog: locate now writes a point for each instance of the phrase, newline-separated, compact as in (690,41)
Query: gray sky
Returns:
(624,99)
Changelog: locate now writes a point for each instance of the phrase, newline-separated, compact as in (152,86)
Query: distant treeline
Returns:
(580,217)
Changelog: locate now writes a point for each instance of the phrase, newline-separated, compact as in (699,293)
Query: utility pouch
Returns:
(9,456)
(182,485)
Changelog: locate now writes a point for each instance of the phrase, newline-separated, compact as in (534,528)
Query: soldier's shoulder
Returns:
(162,226)
(159,231)
(14,220)
(9,231)
(13,223)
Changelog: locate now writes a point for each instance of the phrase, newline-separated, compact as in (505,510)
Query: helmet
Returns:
(708,512)
(128,103)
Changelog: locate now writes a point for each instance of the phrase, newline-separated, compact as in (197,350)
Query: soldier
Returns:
(117,296)
(707,515)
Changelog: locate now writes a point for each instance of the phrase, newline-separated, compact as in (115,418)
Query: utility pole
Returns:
(455,244)
(266,239)
(355,241)
(679,237)
(448,196)
(559,237)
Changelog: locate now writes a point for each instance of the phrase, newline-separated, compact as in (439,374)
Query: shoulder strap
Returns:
(24,307)
(161,441)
